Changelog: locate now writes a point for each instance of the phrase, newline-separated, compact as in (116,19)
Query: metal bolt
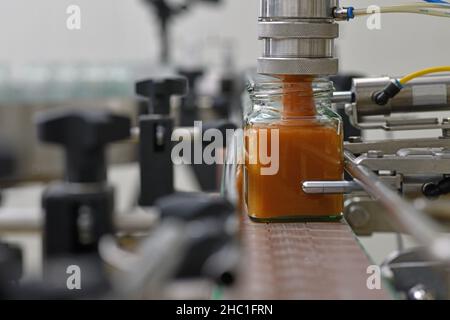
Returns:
(358,217)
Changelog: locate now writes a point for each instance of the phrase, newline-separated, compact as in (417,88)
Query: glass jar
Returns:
(291,135)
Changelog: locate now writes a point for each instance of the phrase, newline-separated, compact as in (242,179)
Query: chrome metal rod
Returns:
(342,97)
(330,187)
(403,214)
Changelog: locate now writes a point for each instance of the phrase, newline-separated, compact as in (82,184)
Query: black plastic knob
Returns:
(192,76)
(435,190)
(208,216)
(84,135)
(159,92)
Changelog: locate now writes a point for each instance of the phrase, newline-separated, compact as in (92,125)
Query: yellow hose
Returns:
(423,72)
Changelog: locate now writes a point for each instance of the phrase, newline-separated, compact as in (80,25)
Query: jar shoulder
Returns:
(267,116)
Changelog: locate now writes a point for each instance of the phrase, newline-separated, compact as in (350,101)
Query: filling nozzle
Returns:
(298,37)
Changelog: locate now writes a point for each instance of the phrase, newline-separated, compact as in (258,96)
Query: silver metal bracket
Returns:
(392,123)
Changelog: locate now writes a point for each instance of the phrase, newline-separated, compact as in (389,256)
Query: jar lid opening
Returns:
(265,87)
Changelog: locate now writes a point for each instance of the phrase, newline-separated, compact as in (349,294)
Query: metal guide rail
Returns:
(303,261)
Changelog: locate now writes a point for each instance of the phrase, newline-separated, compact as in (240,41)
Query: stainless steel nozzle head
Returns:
(298,37)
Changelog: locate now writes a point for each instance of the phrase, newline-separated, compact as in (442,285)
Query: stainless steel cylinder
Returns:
(298,37)
(431,93)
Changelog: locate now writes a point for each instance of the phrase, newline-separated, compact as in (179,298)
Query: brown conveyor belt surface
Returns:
(303,261)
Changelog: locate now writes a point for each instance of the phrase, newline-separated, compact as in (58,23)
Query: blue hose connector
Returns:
(350,13)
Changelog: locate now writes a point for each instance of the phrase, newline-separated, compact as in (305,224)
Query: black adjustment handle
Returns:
(84,134)
(209,215)
(159,92)
(155,137)
(192,76)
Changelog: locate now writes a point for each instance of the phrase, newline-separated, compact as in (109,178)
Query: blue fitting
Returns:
(350,13)
(397,82)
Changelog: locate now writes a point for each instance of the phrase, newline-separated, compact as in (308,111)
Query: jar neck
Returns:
(297,96)
(288,96)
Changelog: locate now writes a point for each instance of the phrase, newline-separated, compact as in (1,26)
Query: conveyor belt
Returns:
(303,261)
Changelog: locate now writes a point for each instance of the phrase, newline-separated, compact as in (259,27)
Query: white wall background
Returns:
(124,30)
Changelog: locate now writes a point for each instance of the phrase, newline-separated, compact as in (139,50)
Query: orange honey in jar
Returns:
(292,116)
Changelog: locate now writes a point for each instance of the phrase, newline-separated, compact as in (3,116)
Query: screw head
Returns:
(358,217)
